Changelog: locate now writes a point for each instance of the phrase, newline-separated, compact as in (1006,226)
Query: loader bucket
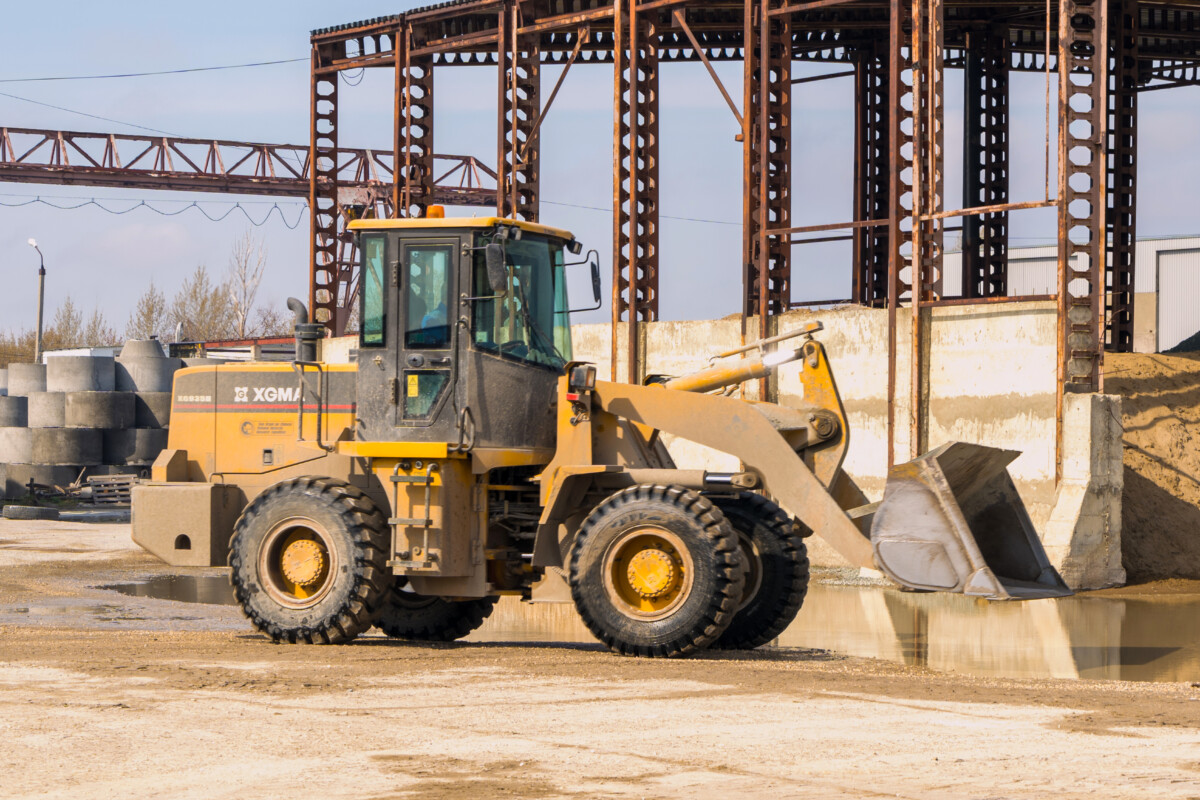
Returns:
(952,521)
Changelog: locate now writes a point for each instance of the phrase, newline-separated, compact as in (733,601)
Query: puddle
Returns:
(1140,639)
(1137,639)
(210,589)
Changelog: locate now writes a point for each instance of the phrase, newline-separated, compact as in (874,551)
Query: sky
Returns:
(106,261)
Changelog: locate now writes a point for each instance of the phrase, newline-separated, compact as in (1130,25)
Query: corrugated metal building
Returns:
(1166,291)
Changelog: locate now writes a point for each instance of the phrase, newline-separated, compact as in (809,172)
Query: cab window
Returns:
(374,308)
(427,296)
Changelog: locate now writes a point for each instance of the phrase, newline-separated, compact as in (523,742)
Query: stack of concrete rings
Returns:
(81,415)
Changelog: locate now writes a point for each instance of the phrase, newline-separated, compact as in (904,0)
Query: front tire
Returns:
(416,617)
(309,561)
(656,571)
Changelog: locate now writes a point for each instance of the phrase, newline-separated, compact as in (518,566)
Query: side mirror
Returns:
(497,270)
(594,263)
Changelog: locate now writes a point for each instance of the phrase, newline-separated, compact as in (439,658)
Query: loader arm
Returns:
(736,427)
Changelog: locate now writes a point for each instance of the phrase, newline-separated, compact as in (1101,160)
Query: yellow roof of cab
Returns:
(421,223)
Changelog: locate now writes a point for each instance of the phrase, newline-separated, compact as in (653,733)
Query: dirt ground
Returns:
(104,695)
(1161,502)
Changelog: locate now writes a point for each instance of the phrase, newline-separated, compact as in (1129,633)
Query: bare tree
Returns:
(98,332)
(202,309)
(150,317)
(66,329)
(273,320)
(246,265)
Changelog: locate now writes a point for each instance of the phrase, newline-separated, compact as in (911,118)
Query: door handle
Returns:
(440,362)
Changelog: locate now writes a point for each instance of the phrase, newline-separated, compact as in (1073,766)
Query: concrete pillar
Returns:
(1083,535)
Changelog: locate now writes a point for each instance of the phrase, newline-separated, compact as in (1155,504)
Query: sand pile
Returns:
(1161,504)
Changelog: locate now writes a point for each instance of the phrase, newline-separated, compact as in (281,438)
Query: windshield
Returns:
(530,322)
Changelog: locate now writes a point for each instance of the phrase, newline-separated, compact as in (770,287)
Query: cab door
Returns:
(426,369)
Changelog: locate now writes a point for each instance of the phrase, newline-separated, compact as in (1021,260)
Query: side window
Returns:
(427,271)
(374,308)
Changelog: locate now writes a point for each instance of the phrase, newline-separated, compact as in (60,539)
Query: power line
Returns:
(258,223)
(160,200)
(85,114)
(157,72)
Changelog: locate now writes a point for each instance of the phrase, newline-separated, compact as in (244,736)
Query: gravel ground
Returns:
(104,695)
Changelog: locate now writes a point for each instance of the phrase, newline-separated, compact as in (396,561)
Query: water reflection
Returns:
(1142,639)
(1152,639)
(211,589)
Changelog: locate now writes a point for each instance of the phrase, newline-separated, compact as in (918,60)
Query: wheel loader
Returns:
(462,454)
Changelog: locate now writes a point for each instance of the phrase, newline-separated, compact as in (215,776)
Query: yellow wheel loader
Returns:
(461,454)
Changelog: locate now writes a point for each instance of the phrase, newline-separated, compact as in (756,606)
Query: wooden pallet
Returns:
(111,490)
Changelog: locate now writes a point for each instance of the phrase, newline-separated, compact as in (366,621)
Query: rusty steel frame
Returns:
(172,163)
(898,52)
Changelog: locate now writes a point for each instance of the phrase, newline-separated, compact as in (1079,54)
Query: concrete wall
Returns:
(991,373)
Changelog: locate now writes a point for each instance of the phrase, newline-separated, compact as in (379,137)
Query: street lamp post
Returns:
(37,344)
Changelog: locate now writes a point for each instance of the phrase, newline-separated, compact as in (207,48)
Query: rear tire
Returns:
(656,571)
(309,561)
(777,570)
(415,617)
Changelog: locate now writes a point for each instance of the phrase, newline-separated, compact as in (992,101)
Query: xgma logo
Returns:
(272,394)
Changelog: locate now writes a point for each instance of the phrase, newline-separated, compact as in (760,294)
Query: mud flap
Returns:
(952,521)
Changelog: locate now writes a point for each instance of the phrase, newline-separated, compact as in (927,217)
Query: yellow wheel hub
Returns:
(647,573)
(652,573)
(302,562)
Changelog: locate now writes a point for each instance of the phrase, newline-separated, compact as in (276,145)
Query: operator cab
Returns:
(464,329)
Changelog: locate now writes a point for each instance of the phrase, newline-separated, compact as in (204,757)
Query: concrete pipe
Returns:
(3,382)
(134,445)
(57,446)
(48,410)
(143,348)
(80,374)
(16,445)
(152,410)
(25,379)
(18,476)
(100,410)
(146,374)
(14,412)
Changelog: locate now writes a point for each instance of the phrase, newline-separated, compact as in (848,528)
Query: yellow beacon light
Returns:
(435,212)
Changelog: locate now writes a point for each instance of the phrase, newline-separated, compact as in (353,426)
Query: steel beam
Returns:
(1082,144)
(635,179)
(767,164)
(985,162)
(415,145)
(927,196)
(871,173)
(325,223)
(519,75)
(1121,221)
